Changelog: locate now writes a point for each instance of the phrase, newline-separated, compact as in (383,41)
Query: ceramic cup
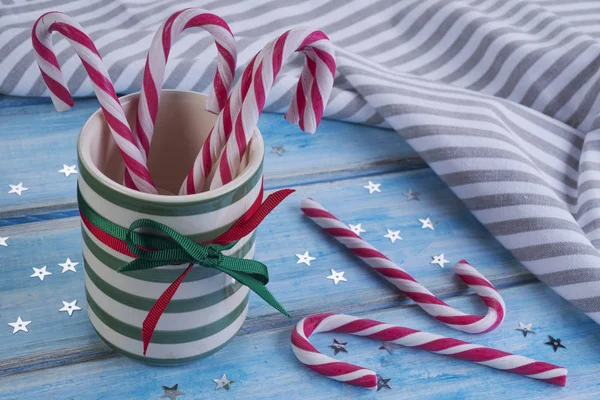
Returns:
(209,307)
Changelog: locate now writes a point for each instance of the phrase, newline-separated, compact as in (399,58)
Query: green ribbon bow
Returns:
(174,248)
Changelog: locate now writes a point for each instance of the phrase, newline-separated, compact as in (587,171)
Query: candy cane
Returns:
(321,64)
(157,58)
(355,375)
(218,136)
(41,36)
(431,304)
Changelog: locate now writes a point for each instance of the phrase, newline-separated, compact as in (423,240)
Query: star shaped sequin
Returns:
(525,328)
(338,347)
(439,260)
(40,273)
(172,392)
(393,235)
(70,307)
(410,195)
(383,383)
(356,228)
(3,241)
(305,258)
(336,277)
(68,170)
(279,150)
(20,325)
(388,346)
(426,223)
(18,189)
(68,266)
(223,382)
(373,187)
(555,343)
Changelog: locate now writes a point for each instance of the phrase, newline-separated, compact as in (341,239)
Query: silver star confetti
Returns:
(68,266)
(393,235)
(18,189)
(68,170)
(305,258)
(389,346)
(426,223)
(338,347)
(356,228)
(555,343)
(439,260)
(525,328)
(3,241)
(336,277)
(70,307)
(223,382)
(410,195)
(373,187)
(20,325)
(279,150)
(40,273)
(383,383)
(171,392)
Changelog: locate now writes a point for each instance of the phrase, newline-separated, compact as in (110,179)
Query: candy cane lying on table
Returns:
(212,147)
(321,63)
(355,375)
(41,36)
(157,58)
(414,290)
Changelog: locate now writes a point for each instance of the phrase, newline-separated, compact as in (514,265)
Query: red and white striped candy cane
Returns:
(432,305)
(355,375)
(308,107)
(157,58)
(212,147)
(135,162)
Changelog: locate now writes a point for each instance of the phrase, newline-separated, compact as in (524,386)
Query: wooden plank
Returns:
(285,233)
(264,367)
(37,141)
(13,101)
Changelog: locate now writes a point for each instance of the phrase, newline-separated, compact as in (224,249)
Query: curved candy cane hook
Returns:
(307,107)
(137,174)
(431,304)
(355,375)
(158,56)
(198,176)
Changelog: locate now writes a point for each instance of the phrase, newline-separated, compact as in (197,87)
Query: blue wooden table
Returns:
(60,357)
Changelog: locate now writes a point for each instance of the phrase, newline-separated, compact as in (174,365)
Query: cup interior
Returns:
(182,126)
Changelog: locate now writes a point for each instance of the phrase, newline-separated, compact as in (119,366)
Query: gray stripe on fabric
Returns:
(585,106)
(401,109)
(350,109)
(573,86)
(512,199)
(415,82)
(550,250)
(453,153)
(442,30)
(588,305)
(571,276)
(483,46)
(525,64)
(532,224)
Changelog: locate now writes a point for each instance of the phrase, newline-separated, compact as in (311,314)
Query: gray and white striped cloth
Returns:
(500,97)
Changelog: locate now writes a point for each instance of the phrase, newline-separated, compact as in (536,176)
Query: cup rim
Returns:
(256,144)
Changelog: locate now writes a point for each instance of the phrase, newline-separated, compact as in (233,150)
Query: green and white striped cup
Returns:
(210,306)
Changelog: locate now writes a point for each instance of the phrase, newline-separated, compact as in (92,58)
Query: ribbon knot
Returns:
(171,247)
